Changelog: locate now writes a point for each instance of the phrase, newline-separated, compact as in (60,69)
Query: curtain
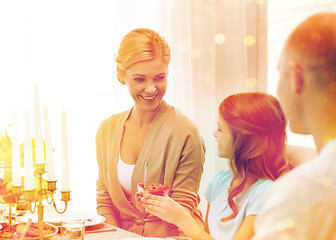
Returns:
(218,49)
(67,47)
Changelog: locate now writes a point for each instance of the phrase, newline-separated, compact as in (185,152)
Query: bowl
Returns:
(154,188)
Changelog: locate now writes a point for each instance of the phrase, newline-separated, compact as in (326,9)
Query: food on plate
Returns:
(156,189)
(32,233)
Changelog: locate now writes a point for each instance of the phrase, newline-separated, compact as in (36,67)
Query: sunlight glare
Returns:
(220,38)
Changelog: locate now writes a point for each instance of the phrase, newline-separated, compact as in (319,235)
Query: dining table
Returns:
(104,232)
(95,227)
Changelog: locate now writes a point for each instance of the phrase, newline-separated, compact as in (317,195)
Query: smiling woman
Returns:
(152,142)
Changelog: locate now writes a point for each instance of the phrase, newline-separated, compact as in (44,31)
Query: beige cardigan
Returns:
(174,151)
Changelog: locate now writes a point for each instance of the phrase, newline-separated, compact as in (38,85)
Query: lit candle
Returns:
(65,162)
(28,156)
(39,151)
(49,149)
(16,176)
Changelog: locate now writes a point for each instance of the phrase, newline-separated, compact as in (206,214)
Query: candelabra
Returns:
(37,203)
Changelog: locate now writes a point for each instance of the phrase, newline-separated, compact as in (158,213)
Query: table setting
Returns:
(28,185)
(83,225)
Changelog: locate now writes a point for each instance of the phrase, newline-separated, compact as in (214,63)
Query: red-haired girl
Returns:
(251,134)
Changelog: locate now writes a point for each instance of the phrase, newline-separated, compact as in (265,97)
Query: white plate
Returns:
(55,218)
(18,213)
(149,238)
(141,238)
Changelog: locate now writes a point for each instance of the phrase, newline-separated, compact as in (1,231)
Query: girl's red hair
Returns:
(258,128)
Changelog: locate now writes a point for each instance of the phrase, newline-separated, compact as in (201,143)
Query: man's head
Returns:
(307,83)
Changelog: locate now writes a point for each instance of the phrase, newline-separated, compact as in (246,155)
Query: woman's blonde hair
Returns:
(139,45)
(258,128)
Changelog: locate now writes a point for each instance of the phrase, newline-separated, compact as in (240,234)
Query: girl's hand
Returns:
(163,207)
(170,211)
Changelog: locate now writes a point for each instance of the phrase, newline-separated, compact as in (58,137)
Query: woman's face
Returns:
(224,138)
(147,83)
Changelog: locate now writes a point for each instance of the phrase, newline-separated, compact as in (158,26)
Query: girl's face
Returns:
(147,83)
(224,138)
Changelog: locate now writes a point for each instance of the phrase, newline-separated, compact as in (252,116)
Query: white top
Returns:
(216,195)
(125,172)
(302,203)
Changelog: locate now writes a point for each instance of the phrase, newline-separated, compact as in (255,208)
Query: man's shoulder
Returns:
(295,201)
(303,180)
(315,170)
(304,186)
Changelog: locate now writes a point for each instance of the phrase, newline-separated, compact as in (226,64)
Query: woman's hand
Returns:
(164,207)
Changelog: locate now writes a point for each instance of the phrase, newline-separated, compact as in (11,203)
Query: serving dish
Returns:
(14,233)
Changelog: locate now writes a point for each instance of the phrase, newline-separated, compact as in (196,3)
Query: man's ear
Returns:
(297,82)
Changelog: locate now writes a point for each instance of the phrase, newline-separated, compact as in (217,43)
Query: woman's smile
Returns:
(147,83)
(149,97)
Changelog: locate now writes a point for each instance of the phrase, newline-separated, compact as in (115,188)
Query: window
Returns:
(283,17)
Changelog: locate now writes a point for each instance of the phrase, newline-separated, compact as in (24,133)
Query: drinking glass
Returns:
(73,229)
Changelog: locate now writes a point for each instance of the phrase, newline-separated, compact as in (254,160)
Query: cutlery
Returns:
(101,230)
(25,230)
(146,164)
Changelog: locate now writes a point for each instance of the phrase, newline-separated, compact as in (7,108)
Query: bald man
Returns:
(302,204)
